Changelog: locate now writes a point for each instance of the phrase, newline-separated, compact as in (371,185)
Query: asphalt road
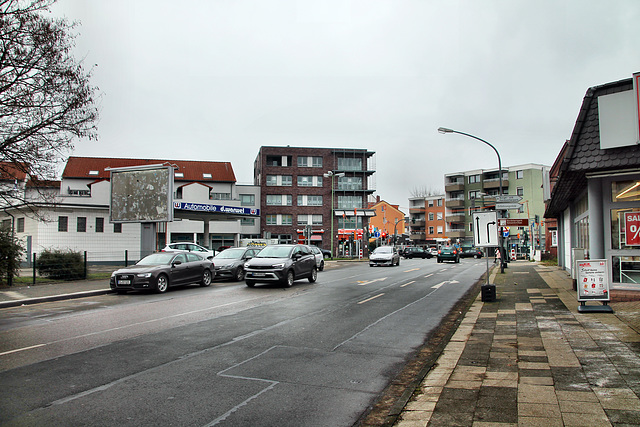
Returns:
(314,355)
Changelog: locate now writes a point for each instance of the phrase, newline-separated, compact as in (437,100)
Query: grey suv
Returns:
(281,264)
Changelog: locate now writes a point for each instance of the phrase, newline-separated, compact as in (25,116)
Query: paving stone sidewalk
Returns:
(530,359)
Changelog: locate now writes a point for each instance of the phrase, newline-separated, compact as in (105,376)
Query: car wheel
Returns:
(439,261)
(239,276)
(206,278)
(476,256)
(398,263)
(163,284)
(288,281)
(321,266)
(314,275)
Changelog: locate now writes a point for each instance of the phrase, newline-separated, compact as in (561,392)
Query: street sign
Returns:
(508,206)
(513,222)
(508,198)
(485,229)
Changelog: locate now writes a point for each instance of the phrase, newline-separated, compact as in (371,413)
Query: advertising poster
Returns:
(593,280)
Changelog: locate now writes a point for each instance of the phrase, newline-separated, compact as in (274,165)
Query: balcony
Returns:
(455,233)
(455,203)
(494,183)
(417,222)
(418,236)
(455,218)
(454,186)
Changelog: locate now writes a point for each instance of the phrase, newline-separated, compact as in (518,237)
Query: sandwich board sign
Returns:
(485,229)
(593,284)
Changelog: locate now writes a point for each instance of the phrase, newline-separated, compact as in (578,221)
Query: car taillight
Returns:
(455,252)
(439,251)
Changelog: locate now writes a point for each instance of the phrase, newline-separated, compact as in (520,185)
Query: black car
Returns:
(230,262)
(281,264)
(416,252)
(471,252)
(161,270)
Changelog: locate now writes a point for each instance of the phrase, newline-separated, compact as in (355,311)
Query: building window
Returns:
(63,223)
(279,160)
(272,219)
(272,180)
(178,194)
(247,221)
(247,200)
(520,191)
(81,224)
(219,196)
(475,194)
(350,222)
(287,219)
(430,203)
(439,216)
(20,225)
(309,181)
(316,219)
(350,183)
(439,229)
(349,202)
(279,199)
(309,200)
(279,219)
(285,239)
(303,219)
(519,174)
(430,230)
(348,164)
(309,162)
(473,179)
(439,202)
(430,216)
(117,227)
(99,225)
(279,180)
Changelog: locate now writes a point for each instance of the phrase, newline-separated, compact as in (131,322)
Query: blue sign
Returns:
(201,207)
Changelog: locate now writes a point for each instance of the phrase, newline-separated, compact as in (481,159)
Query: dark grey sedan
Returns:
(281,264)
(161,270)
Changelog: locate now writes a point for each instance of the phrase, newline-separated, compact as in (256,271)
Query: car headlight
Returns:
(246,265)
(143,275)
(279,265)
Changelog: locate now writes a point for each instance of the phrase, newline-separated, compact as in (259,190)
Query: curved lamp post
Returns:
(447,130)
(332,174)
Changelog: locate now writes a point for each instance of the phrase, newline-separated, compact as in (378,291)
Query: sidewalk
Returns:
(530,359)
(22,295)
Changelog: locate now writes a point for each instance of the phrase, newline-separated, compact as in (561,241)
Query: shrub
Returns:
(61,265)
(10,255)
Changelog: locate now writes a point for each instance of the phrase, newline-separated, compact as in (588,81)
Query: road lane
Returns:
(313,354)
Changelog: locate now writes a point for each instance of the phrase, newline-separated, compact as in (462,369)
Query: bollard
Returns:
(488,293)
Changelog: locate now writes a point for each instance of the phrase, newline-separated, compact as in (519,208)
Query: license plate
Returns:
(124,282)
(258,274)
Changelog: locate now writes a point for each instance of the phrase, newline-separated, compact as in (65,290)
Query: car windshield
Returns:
(159,258)
(275,252)
(383,250)
(231,253)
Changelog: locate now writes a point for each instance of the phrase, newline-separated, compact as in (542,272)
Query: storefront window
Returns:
(625,191)
(626,269)
(619,230)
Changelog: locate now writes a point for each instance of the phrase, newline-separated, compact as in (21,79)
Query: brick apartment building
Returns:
(427,226)
(308,192)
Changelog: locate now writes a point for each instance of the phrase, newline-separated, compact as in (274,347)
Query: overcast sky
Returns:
(215,80)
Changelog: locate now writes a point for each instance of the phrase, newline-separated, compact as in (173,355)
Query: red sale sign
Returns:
(632,228)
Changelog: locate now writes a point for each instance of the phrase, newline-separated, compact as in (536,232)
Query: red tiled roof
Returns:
(10,171)
(79,167)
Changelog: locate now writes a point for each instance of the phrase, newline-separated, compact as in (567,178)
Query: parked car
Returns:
(281,263)
(416,252)
(449,253)
(433,251)
(471,252)
(161,270)
(319,257)
(384,255)
(189,247)
(229,263)
(326,253)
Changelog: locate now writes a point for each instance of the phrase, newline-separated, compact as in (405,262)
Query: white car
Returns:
(384,255)
(189,247)
(319,257)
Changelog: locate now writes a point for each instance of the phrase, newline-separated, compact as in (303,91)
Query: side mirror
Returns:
(176,262)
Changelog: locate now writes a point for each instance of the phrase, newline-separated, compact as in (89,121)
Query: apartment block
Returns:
(476,190)
(315,195)
(427,226)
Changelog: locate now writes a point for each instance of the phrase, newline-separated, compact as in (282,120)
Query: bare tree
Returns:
(46,99)
(424,191)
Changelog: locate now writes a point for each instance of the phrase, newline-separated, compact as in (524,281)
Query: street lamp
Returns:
(332,174)
(447,130)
